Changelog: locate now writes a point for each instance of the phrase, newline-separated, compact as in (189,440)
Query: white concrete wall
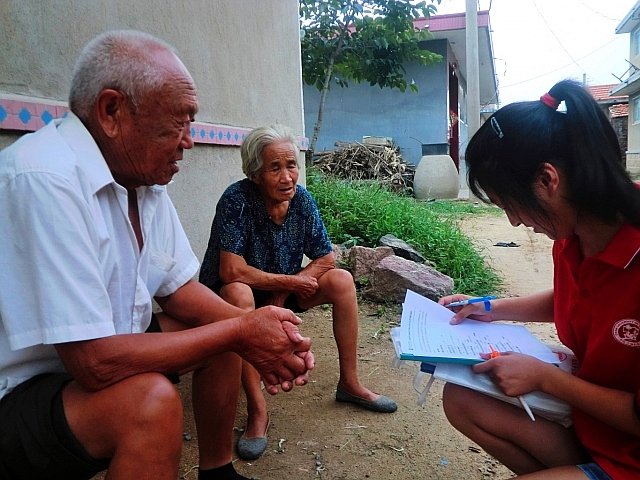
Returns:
(633,139)
(244,56)
(633,129)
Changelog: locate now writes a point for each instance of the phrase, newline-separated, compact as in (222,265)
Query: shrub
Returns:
(362,212)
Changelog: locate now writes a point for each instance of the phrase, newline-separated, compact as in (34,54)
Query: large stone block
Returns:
(401,248)
(392,277)
(340,253)
(362,260)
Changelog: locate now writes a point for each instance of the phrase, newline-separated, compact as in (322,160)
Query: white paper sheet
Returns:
(426,335)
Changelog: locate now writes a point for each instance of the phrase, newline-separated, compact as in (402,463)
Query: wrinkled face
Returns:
(278,176)
(154,137)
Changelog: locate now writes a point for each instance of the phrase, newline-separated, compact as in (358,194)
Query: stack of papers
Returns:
(427,336)
(449,350)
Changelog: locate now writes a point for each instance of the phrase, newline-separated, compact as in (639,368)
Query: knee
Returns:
(156,405)
(339,282)
(239,295)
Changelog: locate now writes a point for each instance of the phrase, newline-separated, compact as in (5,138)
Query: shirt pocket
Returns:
(160,264)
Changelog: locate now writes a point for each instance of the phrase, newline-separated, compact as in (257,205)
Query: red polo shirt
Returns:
(597,314)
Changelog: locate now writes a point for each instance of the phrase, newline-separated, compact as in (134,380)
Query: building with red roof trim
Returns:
(616,107)
(434,119)
(630,86)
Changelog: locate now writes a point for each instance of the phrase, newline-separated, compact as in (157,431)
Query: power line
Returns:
(560,68)
(442,5)
(598,13)
(554,34)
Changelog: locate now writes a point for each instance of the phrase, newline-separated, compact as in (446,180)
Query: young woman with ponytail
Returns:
(560,172)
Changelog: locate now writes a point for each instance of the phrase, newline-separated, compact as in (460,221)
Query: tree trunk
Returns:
(323,92)
(316,127)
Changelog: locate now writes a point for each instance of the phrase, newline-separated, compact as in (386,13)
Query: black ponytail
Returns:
(581,142)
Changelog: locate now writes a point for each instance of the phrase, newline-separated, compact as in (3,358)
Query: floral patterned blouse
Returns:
(242,226)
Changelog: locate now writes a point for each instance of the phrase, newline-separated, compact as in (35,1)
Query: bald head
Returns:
(131,62)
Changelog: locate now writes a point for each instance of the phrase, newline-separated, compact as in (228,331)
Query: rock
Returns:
(362,260)
(401,248)
(392,277)
(340,252)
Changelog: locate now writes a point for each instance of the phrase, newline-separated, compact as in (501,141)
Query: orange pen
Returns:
(494,353)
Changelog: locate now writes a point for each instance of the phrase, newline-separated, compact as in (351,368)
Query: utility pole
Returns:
(473,86)
(473,69)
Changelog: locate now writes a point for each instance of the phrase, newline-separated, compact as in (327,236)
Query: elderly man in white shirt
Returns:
(89,236)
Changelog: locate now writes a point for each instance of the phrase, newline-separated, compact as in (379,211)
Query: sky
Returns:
(539,42)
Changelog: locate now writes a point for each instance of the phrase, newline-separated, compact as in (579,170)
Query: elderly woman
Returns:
(263,226)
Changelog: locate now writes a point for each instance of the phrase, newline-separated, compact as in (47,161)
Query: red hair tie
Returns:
(549,101)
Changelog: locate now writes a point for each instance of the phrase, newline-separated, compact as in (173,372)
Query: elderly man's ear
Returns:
(111,105)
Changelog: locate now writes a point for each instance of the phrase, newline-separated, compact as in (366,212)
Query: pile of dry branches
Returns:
(357,161)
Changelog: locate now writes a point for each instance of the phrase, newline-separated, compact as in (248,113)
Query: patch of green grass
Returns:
(460,209)
(363,212)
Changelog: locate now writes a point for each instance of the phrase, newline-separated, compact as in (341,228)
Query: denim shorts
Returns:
(593,471)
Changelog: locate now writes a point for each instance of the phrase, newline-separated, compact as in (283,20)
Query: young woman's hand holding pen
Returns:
(475,308)
(515,373)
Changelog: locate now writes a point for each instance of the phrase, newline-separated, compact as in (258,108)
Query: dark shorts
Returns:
(594,472)
(260,298)
(35,439)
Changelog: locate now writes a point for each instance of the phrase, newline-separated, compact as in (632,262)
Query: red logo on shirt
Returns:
(627,332)
(561,356)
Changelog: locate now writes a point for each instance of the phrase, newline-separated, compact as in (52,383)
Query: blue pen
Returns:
(486,300)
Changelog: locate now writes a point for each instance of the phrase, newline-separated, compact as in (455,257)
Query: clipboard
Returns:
(427,336)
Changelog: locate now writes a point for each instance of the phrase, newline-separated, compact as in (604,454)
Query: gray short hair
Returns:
(119,60)
(260,138)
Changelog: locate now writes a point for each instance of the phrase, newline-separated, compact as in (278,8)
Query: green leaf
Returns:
(369,41)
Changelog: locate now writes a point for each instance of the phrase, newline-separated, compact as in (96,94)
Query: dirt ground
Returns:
(314,437)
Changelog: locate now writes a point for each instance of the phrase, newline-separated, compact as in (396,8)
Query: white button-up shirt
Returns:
(70,266)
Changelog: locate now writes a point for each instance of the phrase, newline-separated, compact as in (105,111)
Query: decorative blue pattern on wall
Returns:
(24,116)
(31,114)
(46,117)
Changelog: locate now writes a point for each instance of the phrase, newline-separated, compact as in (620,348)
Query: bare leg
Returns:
(136,422)
(215,400)
(215,389)
(241,296)
(337,288)
(257,413)
(557,473)
(507,433)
